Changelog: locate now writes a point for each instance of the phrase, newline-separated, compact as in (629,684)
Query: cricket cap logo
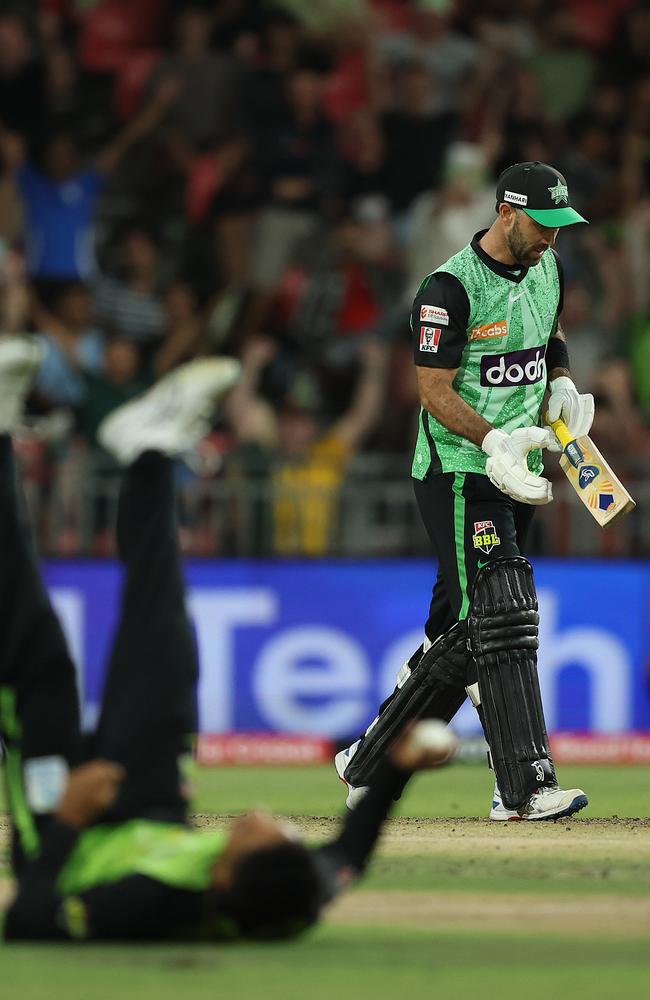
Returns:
(560,193)
(538,190)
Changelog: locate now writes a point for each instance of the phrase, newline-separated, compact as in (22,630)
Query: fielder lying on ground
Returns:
(101,847)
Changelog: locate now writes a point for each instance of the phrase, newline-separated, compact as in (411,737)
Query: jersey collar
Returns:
(515,275)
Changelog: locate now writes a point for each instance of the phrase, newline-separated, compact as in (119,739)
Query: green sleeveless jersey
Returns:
(168,852)
(493,324)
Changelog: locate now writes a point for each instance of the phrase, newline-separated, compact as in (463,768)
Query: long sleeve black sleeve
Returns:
(346,858)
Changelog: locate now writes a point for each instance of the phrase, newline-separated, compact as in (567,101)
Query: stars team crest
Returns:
(559,193)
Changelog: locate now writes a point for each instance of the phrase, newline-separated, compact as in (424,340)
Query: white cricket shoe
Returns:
(544,803)
(341,761)
(20,359)
(172,416)
(500,812)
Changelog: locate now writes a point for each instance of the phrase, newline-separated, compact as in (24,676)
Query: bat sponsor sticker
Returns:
(485,536)
(434,314)
(430,338)
(586,475)
(603,498)
(490,330)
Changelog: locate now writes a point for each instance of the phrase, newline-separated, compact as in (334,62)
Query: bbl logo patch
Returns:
(485,537)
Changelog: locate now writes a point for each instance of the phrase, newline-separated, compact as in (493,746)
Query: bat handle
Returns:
(563,433)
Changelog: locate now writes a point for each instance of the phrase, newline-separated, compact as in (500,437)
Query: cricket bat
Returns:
(601,492)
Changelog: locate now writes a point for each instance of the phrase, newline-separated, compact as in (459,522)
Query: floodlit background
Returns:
(272,181)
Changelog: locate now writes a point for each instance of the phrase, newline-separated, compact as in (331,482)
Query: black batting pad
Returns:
(503,637)
(435,689)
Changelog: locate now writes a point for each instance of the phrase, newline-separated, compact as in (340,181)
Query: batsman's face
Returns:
(526,239)
(252,832)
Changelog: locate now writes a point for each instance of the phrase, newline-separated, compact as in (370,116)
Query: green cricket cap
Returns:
(540,191)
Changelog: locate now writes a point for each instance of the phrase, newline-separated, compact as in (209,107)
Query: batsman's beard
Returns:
(525,253)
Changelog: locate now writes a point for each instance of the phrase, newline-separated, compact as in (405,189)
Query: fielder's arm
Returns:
(346,858)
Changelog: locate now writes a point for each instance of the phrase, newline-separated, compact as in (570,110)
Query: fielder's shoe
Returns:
(341,761)
(172,416)
(544,803)
(20,359)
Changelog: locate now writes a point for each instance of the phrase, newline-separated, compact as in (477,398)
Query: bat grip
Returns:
(563,433)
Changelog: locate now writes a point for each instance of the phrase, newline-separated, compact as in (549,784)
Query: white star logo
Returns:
(559,193)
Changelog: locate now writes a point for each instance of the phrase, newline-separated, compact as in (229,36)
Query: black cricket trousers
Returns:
(469,522)
(148,717)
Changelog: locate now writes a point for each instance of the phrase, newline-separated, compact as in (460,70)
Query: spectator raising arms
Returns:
(60,196)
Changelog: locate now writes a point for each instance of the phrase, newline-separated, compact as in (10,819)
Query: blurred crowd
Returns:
(272,181)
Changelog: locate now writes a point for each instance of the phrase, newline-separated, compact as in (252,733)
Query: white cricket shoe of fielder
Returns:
(341,761)
(20,359)
(544,803)
(171,417)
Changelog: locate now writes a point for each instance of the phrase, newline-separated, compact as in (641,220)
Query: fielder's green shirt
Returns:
(170,853)
(493,324)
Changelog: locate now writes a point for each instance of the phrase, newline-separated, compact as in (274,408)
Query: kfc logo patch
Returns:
(430,338)
(435,314)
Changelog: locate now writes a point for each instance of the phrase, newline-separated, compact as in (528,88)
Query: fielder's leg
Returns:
(148,717)
(39,711)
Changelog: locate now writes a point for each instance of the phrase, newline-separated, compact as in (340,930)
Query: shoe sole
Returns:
(191,372)
(24,362)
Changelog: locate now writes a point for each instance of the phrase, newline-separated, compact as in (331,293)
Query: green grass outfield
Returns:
(453,907)
(462,790)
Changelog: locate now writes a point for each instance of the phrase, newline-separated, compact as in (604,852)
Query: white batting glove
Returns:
(576,409)
(507,467)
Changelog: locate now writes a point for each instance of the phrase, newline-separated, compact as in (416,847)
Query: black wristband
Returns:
(557,355)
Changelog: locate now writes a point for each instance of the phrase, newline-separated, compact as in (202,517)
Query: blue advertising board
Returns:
(314,647)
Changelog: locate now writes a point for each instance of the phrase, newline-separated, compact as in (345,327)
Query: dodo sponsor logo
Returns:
(514,368)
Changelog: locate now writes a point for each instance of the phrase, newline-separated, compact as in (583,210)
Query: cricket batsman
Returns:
(101,846)
(488,344)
